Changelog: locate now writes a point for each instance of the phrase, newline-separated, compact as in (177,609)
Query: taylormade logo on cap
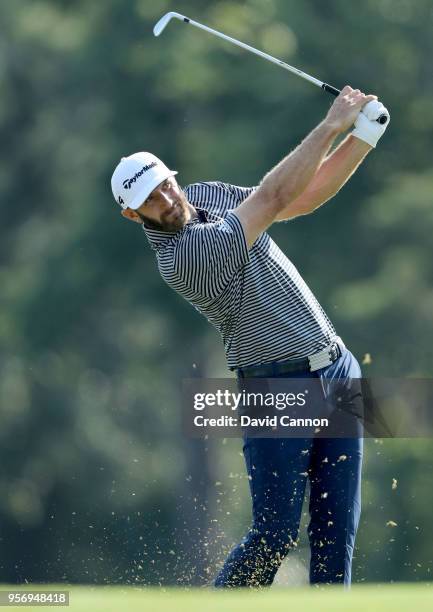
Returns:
(127,184)
(136,176)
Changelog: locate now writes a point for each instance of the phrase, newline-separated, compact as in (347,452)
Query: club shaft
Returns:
(266,56)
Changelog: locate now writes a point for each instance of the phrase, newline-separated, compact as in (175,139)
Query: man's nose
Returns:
(167,197)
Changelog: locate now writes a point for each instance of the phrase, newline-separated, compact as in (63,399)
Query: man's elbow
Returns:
(306,204)
(317,203)
(270,197)
(276,196)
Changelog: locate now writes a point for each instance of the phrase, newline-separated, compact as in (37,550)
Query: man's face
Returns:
(166,208)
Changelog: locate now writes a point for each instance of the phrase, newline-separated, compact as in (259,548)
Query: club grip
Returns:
(334,91)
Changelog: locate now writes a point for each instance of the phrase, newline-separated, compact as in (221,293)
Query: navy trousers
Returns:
(278,469)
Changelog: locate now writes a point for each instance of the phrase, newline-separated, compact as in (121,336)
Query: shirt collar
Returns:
(158,238)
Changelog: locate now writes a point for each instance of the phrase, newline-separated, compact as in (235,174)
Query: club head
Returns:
(163,22)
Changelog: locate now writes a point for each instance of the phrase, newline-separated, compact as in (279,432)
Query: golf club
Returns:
(163,22)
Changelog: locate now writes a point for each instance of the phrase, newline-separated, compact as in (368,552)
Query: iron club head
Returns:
(165,19)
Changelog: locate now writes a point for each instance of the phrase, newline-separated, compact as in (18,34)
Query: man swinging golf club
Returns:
(212,247)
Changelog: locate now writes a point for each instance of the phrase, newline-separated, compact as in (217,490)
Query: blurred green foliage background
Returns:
(97,482)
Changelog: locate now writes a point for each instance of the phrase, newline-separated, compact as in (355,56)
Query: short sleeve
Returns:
(217,197)
(241,193)
(209,255)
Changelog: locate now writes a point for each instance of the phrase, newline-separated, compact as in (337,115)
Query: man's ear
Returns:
(130,214)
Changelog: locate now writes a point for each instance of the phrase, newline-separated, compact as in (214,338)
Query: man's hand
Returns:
(366,126)
(346,107)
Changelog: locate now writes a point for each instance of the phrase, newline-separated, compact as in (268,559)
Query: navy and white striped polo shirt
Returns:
(256,298)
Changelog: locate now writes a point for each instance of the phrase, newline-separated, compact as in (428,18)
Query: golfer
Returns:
(211,246)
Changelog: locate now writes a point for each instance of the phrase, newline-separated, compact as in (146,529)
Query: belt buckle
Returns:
(320,360)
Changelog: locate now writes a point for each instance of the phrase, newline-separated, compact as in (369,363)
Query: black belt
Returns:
(310,364)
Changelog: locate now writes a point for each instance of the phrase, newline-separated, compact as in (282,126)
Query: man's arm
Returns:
(289,179)
(330,177)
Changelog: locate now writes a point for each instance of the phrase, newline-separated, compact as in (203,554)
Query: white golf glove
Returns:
(366,126)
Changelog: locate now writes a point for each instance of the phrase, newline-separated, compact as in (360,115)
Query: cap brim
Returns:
(142,196)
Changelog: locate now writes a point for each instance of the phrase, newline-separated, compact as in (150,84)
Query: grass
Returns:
(374,598)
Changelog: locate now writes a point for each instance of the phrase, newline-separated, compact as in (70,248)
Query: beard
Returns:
(171,221)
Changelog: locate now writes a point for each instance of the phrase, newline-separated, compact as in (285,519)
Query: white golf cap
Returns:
(136,176)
